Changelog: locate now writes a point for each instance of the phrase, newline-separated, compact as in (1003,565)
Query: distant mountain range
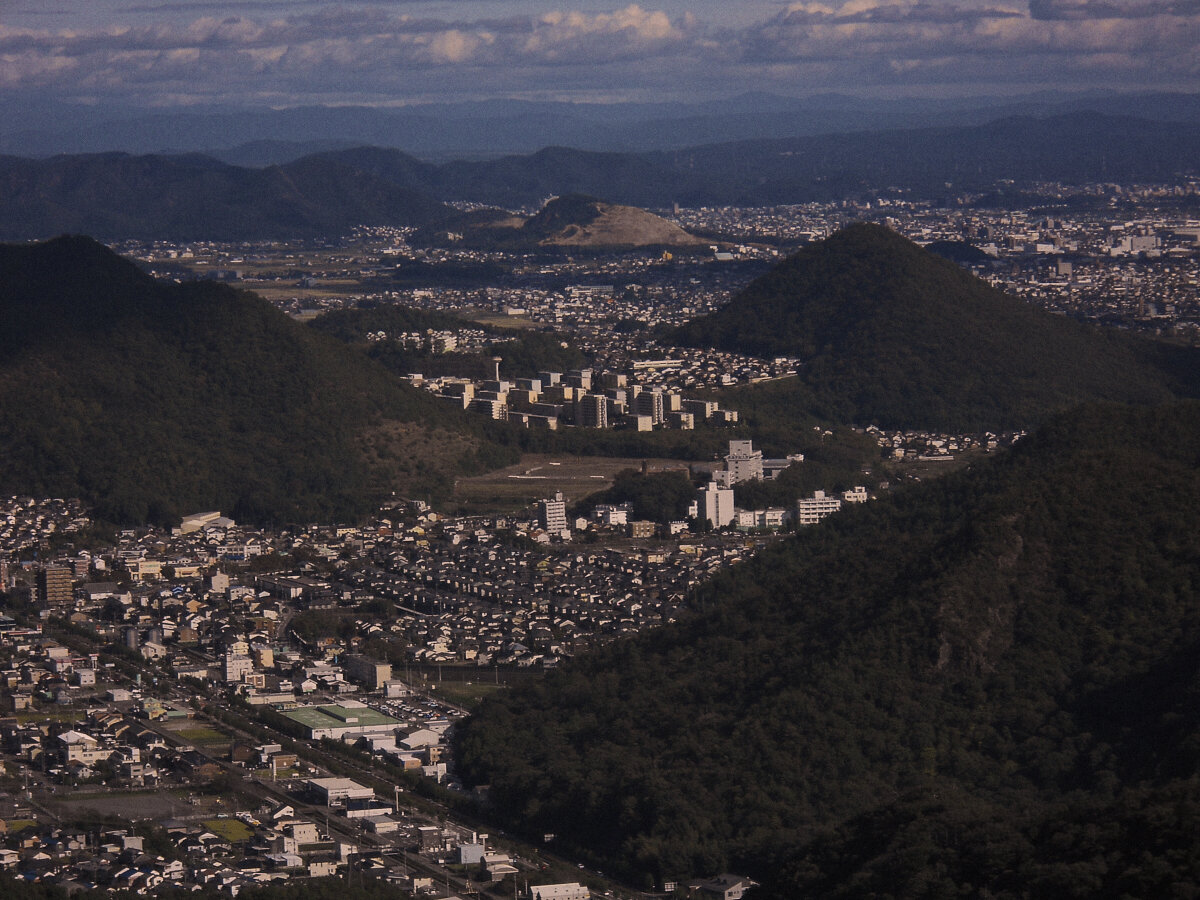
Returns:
(891,334)
(922,162)
(113,196)
(152,400)
(980,686)
(262,137)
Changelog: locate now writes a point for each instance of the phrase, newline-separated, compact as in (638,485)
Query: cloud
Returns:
(866,11)
(1077,10)
(379,52)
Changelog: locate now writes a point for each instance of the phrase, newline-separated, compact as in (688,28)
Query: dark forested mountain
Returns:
(113,196)
(892,334)
(152,400)
(185,197)
(980,686)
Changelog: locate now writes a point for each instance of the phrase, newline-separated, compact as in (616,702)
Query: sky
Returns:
(170,53)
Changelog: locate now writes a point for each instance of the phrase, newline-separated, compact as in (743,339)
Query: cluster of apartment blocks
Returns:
(581,398)
(715,501)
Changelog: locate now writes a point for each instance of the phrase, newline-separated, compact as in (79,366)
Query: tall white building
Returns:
(553,514)
(743,463)
(715,503)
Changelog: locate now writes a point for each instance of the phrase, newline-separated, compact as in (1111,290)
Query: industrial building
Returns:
(338,720)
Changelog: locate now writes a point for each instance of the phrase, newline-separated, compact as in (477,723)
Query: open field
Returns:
(538,477)
(200,735)
(134,806)
(467,694)
(231,830)
(495,319)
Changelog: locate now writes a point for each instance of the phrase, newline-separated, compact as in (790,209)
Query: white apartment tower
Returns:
(716,505)
(743,463)
(553,514)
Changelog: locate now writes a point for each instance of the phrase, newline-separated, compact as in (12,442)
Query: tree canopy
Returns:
(911,693)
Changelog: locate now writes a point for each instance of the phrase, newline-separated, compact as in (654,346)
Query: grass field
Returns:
(201,735)
(496,320)
(538,477)
(230,829)
(466,694)
(51,714)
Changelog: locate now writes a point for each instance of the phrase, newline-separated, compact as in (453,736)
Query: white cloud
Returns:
(378,51)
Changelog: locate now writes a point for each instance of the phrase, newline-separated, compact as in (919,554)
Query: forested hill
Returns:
(983,685)
(891,334)
(153,400)
(115,196)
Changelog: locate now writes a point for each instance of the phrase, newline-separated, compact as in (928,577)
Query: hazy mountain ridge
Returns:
(152,400)
(496,127)
(1080,147)
(987,654)
(117,196)
(890,334)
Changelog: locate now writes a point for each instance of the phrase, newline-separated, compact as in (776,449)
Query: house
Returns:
(568,891)
(724,887)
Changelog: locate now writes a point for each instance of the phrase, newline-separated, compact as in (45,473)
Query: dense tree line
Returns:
(656,497)
(910,694)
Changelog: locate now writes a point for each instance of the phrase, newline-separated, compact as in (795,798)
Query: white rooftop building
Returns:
(811,510)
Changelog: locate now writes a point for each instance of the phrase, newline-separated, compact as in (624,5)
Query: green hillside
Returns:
(152,400)
(980,686)
(893,335)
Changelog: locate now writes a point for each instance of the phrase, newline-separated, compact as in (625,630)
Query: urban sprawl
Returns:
(247,705)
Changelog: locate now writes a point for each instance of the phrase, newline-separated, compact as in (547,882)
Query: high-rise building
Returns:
(650,403)
(701,409)
(55,586)
(553,514)
(743,463)
(716,505)
(591,411)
